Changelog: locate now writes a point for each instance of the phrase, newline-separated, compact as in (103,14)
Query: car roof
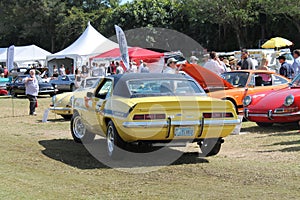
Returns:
(253,71)
(136,76)
(121,79)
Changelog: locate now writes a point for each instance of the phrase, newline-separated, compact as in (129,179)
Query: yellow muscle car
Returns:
(62,103)
(151,108)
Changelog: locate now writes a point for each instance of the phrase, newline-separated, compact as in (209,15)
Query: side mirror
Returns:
(89,94)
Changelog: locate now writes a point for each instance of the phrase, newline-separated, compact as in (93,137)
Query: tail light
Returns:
(149,116)
(217,115)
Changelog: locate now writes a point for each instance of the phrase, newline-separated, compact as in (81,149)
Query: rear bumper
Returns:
(165,130)
(61,110)
(163,124)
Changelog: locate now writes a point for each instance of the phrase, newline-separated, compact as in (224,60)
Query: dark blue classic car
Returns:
(64,83)
(17,87)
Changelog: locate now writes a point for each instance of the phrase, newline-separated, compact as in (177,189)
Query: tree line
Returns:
(220,25)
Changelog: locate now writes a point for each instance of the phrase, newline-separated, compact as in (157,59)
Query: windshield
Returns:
(296,81)
(90,82)
(140,88)
(72,77)
(3,84)
(237,79)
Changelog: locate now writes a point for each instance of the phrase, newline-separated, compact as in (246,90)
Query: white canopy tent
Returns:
(90,43)
(26,54)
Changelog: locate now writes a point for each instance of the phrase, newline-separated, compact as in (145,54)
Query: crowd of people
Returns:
(221,65)
(215,64)
(3,72)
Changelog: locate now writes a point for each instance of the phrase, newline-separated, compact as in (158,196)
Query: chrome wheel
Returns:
(79,133)
(110,140)
(115,144)
(78,128)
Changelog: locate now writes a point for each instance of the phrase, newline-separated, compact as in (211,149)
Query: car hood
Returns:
(207,79)
(273,99)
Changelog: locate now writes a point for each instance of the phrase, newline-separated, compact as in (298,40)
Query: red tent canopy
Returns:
(135,53)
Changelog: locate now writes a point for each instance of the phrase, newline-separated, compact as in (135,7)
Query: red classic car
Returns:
(3,82)
(280,106)
(235,85)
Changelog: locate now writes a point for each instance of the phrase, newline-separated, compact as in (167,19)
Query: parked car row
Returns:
(159,108)
(57,85)
(17,87)
(62,103)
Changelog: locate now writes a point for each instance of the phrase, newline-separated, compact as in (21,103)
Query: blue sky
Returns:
(125,1)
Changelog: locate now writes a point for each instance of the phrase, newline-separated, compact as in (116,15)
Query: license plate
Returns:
(184,131)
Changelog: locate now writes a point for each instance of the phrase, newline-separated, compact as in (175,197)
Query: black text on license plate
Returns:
(184,131)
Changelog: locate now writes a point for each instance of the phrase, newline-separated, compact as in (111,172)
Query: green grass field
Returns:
(40,161)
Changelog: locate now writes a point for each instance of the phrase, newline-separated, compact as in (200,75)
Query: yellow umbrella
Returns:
(276,42)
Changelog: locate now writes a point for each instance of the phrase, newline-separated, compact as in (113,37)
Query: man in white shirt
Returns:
(102,70)
(32,90)
(95,70)
(296,64)
(62,70)
(133,67)
(119,69)
(214,64)
(171,66)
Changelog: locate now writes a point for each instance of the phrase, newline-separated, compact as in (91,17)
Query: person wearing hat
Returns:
(285,69)
(227,65)
(232,62)
(133,67)
(194,60)
(171,66)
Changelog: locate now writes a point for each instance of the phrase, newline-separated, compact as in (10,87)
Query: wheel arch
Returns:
(233,102)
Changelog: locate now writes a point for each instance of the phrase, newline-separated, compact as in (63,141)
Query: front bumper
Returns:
(47,91)
(270,116)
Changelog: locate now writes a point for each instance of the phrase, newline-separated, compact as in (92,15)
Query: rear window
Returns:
(140,88)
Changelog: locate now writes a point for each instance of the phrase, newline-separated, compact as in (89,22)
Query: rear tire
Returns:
(13,94)
(264,125)
(210,147)
(78,130)
(114,142)
(72,87)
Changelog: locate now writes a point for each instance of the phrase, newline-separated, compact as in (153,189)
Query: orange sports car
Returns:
(236,85)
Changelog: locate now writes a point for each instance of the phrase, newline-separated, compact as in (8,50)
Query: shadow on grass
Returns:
(287,143)
(93,156)
(291,149)
(287,149)
(273,129)
(54,120)
(25,97)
